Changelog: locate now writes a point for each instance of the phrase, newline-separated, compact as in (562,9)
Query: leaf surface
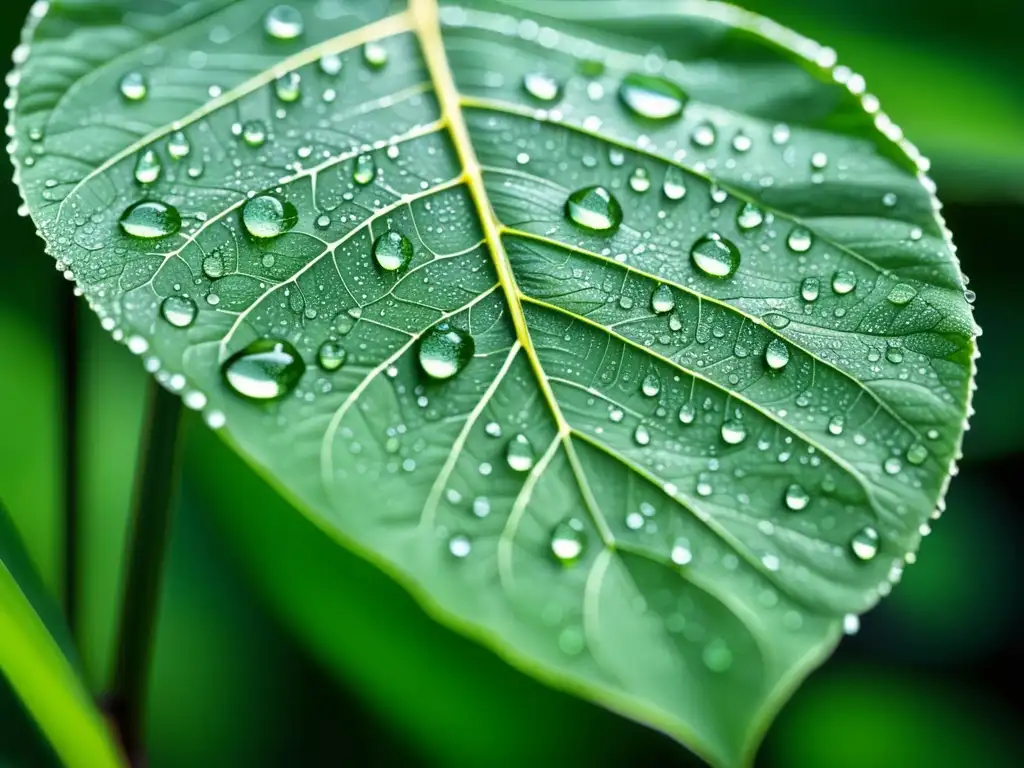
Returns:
(644,367)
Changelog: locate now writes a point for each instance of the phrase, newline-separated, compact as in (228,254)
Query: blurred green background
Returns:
(275,647)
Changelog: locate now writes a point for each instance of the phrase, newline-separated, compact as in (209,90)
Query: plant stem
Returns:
(70,388)
(156,483)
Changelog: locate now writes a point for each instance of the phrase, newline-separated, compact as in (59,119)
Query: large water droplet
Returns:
(641,435)
(444,351)
(844,281)
(520,454)
(331,355)
(651,385)
(178,145)
(542,86)
(800,240)
(393,251)
(594,208)
(715,256)
(749,217)
(901,294)
(288,87)
(687,413)
(150,218)
(254,133)
(810,288)
(674,186)
(892,466)
(640,181)
(265,370)
(733,432)
(568,541)
(147,166)
(365,170)
(776,355)
(652,98)
(917,454)
(266,216)
(797,498)
(283,22)
(133,86)
(704,135)
(662,300)
(865,543)
(179,311)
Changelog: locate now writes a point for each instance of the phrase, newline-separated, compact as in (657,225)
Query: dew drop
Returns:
(640,181)
(150,219)
(254,133)
(776,355)
(844,281)
(836,424)
(663,300)
(134,87)
(179,311)
(147,167)
(460,546)
(796,498)
(681,554)
(568,541)
(594,208)
(481,506)
(331,356)
(542,86)
(674,186)
(178,145)
(800,240)
(894,354)
(810,288)
(283,22)
(687,413)
(851,624)
(288,87)
(819,161)
(444,351)
(704,135)
(749,217)
(715,256)
(901,294)
(330,64)
(741,142)
(651,97)
(365,170)
(651,385)
(865,543)
(266,216)
(520,454)
(917,454)
(892,466)
(717,656)
(264,370)
(641,435)
(733,432)
(393,251)
(375,55)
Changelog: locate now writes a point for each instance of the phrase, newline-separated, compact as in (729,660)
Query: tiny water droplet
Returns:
(520,454)
(444,351)
(796,498)
(662,300)
(819,161)
(594,208)
(266,369)
(134,86)
(651,97)
(365,170)
(375,55)
(393,251)
(901,294)
(865,544)
(542,86)
(749,217)
(147,166)
(568,541)
(283,22)
(810,288)
(776,355)
(331,356)
(800,240)
(733,432)
(179,311)
(150,219)
(715,256)
(266,216)
(844,281)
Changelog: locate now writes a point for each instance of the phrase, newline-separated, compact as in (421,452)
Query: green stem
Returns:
(156,484)
(71,415)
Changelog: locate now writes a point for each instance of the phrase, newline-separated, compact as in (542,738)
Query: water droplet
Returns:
(733,432)
(796,498)
(741,142)
(894,354)
(365,170)
(393,251)
(687,413)
(651,385)
(594,208)
(674,186)
(836,424)
(851,624)
(179,311)
(892,466)
(704,135)
(460,545)
(662,300)
(147,167)
(266,216)
(917,454)
(901,294)
(652,98)
(819,160)
(213,266)
(776,355)
(283,22)
(641,436)
(444,351)
(889,199)
(749,217)
(800,240)
(640,181)
(810,288)
(288,87)
(542,86)
(635,521)
(264,370)
(178,145)
(375,55)
(681,553)
(331,356)
(254,133)
(717,656)
(150,219)
(520,454)
(780,133)
(134,86)
(568,541)
(330,64)
(481,506)
(715,256)
(844,281)
(865,543)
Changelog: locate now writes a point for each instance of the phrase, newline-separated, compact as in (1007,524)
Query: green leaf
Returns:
(35,653)
(643,367)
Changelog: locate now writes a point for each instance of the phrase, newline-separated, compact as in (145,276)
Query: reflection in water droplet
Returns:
(776,355)
(715,256)
(283,22)
(844,281)
(393,251)
(568,541)
(733,432)
(179,311)
(651,97)
(265,370)
(542,86)
(365,170)
(594,208)
(444,351)
(520,454)
(149,219)
(901,294)
(749,217)
(865,544)
(134,87)
(331,356)
(810,288)
(266,216)
(147,166)
(797,498)
(800,240)
(662,300)
(375,55)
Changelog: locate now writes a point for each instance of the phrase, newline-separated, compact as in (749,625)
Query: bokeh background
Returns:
(275,647)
